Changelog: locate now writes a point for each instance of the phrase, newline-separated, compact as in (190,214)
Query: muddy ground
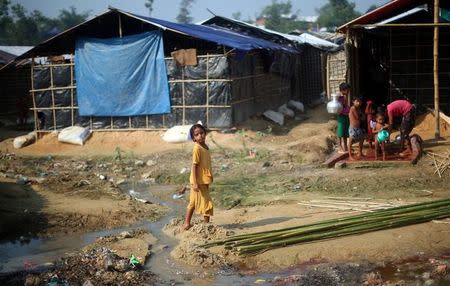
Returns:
(262,173)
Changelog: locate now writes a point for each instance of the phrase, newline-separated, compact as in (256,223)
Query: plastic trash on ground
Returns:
(74,135)
(134,262)
(286,111)
(296,105)
(24,140)
(276,117)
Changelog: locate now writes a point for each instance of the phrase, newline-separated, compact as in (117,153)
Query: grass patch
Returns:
(246,191)
(172,178)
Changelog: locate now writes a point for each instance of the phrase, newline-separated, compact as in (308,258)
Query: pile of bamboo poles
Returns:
(350,204)
(441,162)
(382,219)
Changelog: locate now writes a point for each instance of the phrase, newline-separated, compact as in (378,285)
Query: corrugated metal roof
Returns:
(304,38)
(15,50)
(388,10)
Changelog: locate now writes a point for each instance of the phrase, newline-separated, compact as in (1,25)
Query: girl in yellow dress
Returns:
(201,177)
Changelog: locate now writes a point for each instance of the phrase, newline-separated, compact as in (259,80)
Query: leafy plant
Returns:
(118,154)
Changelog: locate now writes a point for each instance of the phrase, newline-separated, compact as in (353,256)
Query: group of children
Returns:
(350,129)
(350,125)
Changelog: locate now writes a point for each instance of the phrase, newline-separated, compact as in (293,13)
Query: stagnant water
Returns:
(17,256)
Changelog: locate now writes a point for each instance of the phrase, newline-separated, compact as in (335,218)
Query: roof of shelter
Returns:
(106,26)
(217,34)
(384,12)
(268,34)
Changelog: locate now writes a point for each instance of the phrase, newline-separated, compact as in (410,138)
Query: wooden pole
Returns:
(437,133)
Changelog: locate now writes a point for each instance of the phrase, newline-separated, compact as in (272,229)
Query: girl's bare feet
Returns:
(187,226)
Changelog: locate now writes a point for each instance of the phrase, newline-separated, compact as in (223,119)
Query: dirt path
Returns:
(261,172)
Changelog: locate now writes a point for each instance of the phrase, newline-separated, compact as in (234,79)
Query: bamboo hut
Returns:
(401,51)
(235,76)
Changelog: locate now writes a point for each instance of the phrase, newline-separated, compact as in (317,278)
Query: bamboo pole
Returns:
(34,99)
(207,89)
(72,115)
(52,88)
(120,26)
(53,97)
(183,119)
(437,133)
(54,108)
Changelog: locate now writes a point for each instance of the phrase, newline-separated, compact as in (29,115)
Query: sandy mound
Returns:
(425,125)
(189,249)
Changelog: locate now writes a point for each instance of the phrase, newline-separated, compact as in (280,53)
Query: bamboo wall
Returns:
(219,91)
(336,71)
(411,66)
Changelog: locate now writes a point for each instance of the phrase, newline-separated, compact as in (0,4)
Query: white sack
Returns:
(74,135)
(177,134)
(286,111)
(276,117)
(296,105)
(24,140)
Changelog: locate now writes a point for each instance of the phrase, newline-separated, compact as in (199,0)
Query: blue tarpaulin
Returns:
(240,42)
(121,76)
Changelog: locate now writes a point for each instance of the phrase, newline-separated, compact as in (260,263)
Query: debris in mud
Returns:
(99,266)
(105,262)
(328,274)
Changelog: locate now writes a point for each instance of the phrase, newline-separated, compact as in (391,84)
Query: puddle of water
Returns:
(16,256)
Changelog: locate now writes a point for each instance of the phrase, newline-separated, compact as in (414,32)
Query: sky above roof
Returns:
(168,9)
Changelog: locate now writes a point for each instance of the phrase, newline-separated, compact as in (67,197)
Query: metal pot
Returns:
(334,106)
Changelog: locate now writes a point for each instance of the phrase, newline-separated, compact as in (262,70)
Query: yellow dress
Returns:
(201,200)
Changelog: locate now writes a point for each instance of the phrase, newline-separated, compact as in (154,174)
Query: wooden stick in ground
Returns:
(435,164)
(334,207)
(348,198)
(431,154)
(440,164)
(445,167)
(358,203)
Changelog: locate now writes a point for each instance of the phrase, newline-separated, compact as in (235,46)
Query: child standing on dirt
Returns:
(371,121)
(381,125)
(342,118)
(356,134)
(201,177)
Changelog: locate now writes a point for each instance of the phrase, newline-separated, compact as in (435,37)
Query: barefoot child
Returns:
(342,118)
(370,119)
(381,125)
(356,134)
(201,177)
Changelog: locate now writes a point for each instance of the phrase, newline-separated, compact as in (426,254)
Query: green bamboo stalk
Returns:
(377,214)
(338,227)
(362,228)
(306,230)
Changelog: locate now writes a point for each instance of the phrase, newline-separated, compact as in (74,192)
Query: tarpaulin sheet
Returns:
(122,76)
(241,43)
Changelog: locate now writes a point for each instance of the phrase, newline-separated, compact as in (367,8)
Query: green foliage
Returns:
(184,15)
(279,17)
(118,154)
(236,16)
(335,13)
(371,8)
(149,6)
(18,27)
(70,18)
